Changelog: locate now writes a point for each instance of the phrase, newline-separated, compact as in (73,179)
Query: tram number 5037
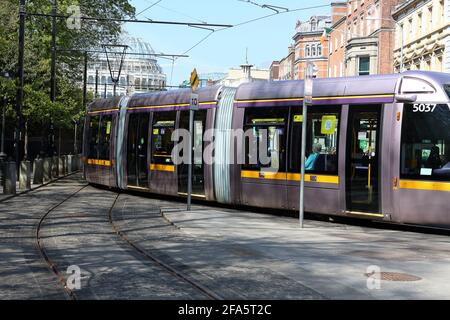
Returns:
(424,107)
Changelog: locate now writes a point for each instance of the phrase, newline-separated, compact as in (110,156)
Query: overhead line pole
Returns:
(193,24)
(53,76)
(19,102)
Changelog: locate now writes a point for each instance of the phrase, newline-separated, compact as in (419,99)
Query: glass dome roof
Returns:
(137,45)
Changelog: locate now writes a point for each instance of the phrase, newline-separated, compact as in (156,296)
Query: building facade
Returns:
(370,37)
(337,40)
(422,30)
(274,70)
(284,69)
(245,74)
(309,47)
(140,72)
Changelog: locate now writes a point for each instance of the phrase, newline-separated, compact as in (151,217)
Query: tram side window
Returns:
(321,140)
(425,146)
(94,123)
(104,137)
(265,138)
(162,144)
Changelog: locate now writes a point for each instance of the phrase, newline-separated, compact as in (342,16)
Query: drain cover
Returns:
(395,276)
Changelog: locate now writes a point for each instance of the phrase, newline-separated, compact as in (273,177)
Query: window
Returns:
(307,51)
(425,146)
(265,138)
(319,50)
(364,66)
(104,137)
(91,80)
(361,25)
(313,51)
(321,141)
(94,123)
(162,144)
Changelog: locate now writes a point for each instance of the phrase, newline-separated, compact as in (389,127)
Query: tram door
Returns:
(198,178)
(137,150)
(363,151)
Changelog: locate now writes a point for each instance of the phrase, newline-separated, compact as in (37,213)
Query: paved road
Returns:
(23,274)
(79,234)
(236,254)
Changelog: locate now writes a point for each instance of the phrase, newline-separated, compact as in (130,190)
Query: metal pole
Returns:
(307,95)
(2,148)
(85,79)
(191,136)
(53,76)
(302,164)
(19,103)
(104,95)
(75,149)
(96,84)
(114,88)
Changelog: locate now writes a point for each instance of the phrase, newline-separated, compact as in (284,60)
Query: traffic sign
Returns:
(194,101)
(194,80)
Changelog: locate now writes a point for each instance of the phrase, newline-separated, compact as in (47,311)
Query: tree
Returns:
(38,109)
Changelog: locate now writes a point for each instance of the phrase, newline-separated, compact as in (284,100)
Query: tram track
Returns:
(43,252)
(162,264)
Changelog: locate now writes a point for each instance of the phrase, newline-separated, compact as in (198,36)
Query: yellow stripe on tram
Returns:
(162,167)
(424,185)
(98,162)
(319,98)
(251,174)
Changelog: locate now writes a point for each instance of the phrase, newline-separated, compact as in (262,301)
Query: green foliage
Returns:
(38,109)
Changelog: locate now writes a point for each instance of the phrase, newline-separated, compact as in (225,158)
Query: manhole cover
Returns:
(395,276)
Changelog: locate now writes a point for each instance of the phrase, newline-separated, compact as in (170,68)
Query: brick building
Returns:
(274,70)
(308,46)
(337,39)
(370,37)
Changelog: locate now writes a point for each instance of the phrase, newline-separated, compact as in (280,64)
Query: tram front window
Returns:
(425,147)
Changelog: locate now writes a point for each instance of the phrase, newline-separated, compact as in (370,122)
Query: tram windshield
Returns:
(425,147)
(447,89)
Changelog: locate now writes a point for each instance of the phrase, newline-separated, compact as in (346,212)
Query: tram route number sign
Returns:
(194,102)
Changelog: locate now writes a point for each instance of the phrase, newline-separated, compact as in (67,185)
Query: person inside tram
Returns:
(434,159)
(309,164)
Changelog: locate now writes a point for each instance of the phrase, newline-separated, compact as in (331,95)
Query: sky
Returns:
(266,39)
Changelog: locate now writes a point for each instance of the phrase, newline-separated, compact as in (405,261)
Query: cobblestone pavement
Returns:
(23,274)
(235,254)
(79,234)
(230,269)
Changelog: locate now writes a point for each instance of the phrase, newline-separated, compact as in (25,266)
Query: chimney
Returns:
(338,10)
(246,73)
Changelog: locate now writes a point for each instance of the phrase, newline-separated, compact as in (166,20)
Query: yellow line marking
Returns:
(162,167)
(424,185)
